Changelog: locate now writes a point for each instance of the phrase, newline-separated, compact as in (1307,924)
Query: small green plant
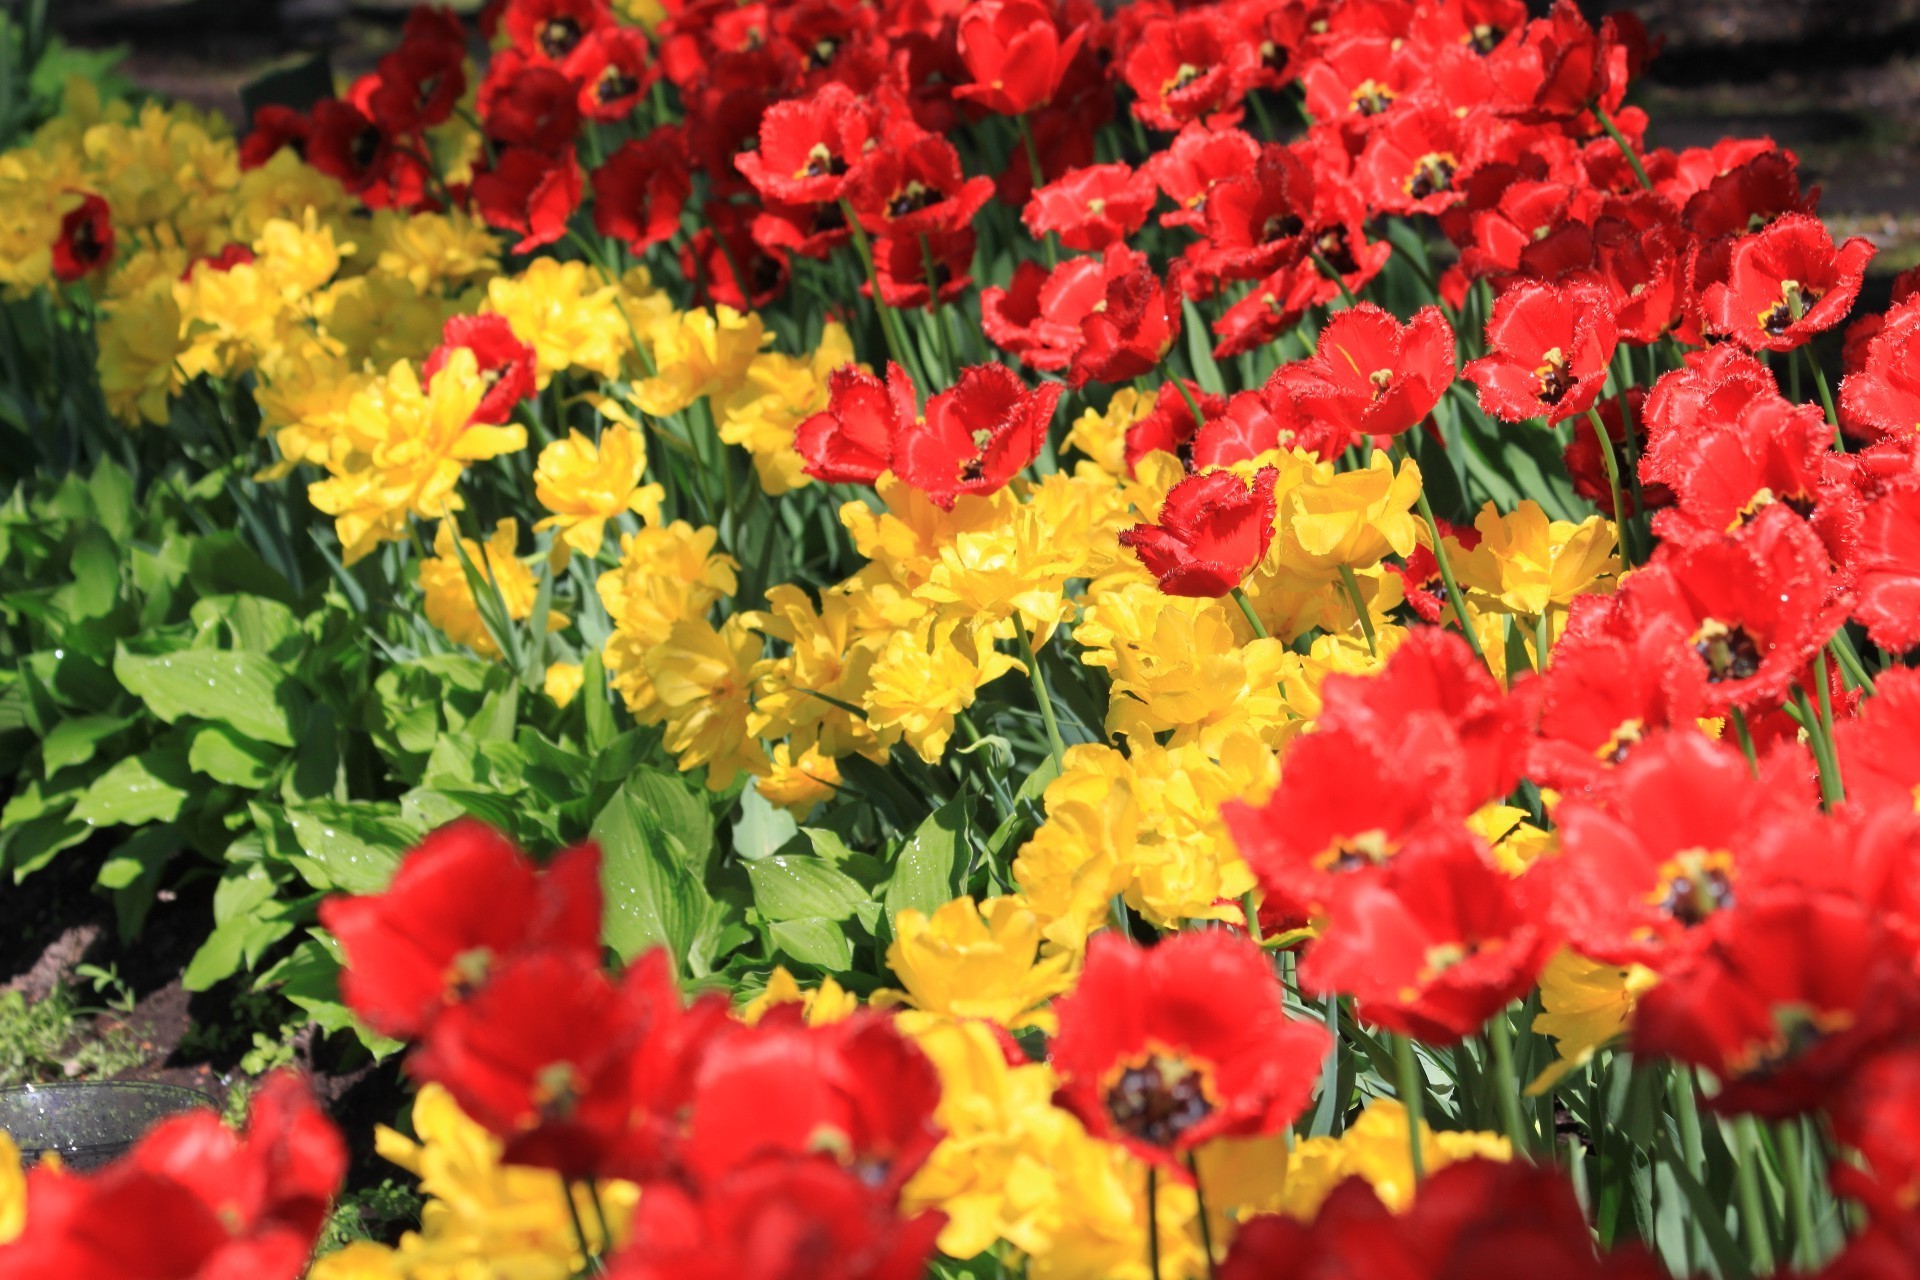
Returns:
(56,1039)
(379,1212)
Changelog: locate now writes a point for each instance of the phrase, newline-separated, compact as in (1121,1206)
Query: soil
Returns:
(55,921)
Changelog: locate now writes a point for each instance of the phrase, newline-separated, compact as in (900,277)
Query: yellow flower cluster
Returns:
(482,1217)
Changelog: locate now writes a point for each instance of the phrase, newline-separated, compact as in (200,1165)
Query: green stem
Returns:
(1054,742)
(593,1265)
(1612,465)
(1039,180)
(1445,562)
(896,346)
(1253,619)
(937,309)
(1826,397)
(1626,148)
(1506,1086)
(1686,1110)
(1753,1215)
(1193,405)
(600,1213)
(1359,608)
(1153,1221)
(1413,1096)
(1841,647)
(1328,270)
(1200,1198)
(1833,791)
(1806,1242)
(1745,738)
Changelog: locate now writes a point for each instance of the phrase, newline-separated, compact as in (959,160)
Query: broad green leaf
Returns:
(31,845)
(232,758)
(132,874)
(354,847)
(811,940)
(927,874)
(255,623)
(789,886)
(74,741)
(654,894)
(310,979)
(244,690)
(679,808)
(112,490)
(594,704)
(149,787)
(1026,808)
(247,919)
(761,829)
(96,576)
(223,564)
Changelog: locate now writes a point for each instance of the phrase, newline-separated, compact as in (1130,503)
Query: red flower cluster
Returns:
(1164,1050)
(758,1147)
(976,435)
(193,1199)
(1474,1218)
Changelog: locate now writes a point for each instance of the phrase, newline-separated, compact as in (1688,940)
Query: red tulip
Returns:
(1213,529)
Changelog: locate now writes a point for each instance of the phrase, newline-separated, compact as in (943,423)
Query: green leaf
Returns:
(248,921)
(132,874)
(223,564)
(354,847)
(149,787)
(678,809)
(815,941)
(243,690)
(761,830)
(112,490)
(1200,350)
(33,844)
(927,874)
(96,576)
(654,895)
(789,886)
(594,704)
(1027,808)
(310,979)
(256,624)
(230,757)
(74,741)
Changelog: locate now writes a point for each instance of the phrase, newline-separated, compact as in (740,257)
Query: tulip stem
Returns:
(896,346)
(1745,738)
(1612,464)
(936,308)
(1745,1139)
(1826,397)
(1054,742)
(600,1213)
(1253,619)
(1506,1084)
(1039,180)
(1153,1221)
(590,1259)
(1413,1098)
(1620,141)
(1806,1243)
(1445,563)
(1193,405)
(1200,1200)
(1360,608)
(1841,647)
(1328,270)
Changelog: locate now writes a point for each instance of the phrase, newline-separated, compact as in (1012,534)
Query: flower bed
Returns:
(1226,641)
